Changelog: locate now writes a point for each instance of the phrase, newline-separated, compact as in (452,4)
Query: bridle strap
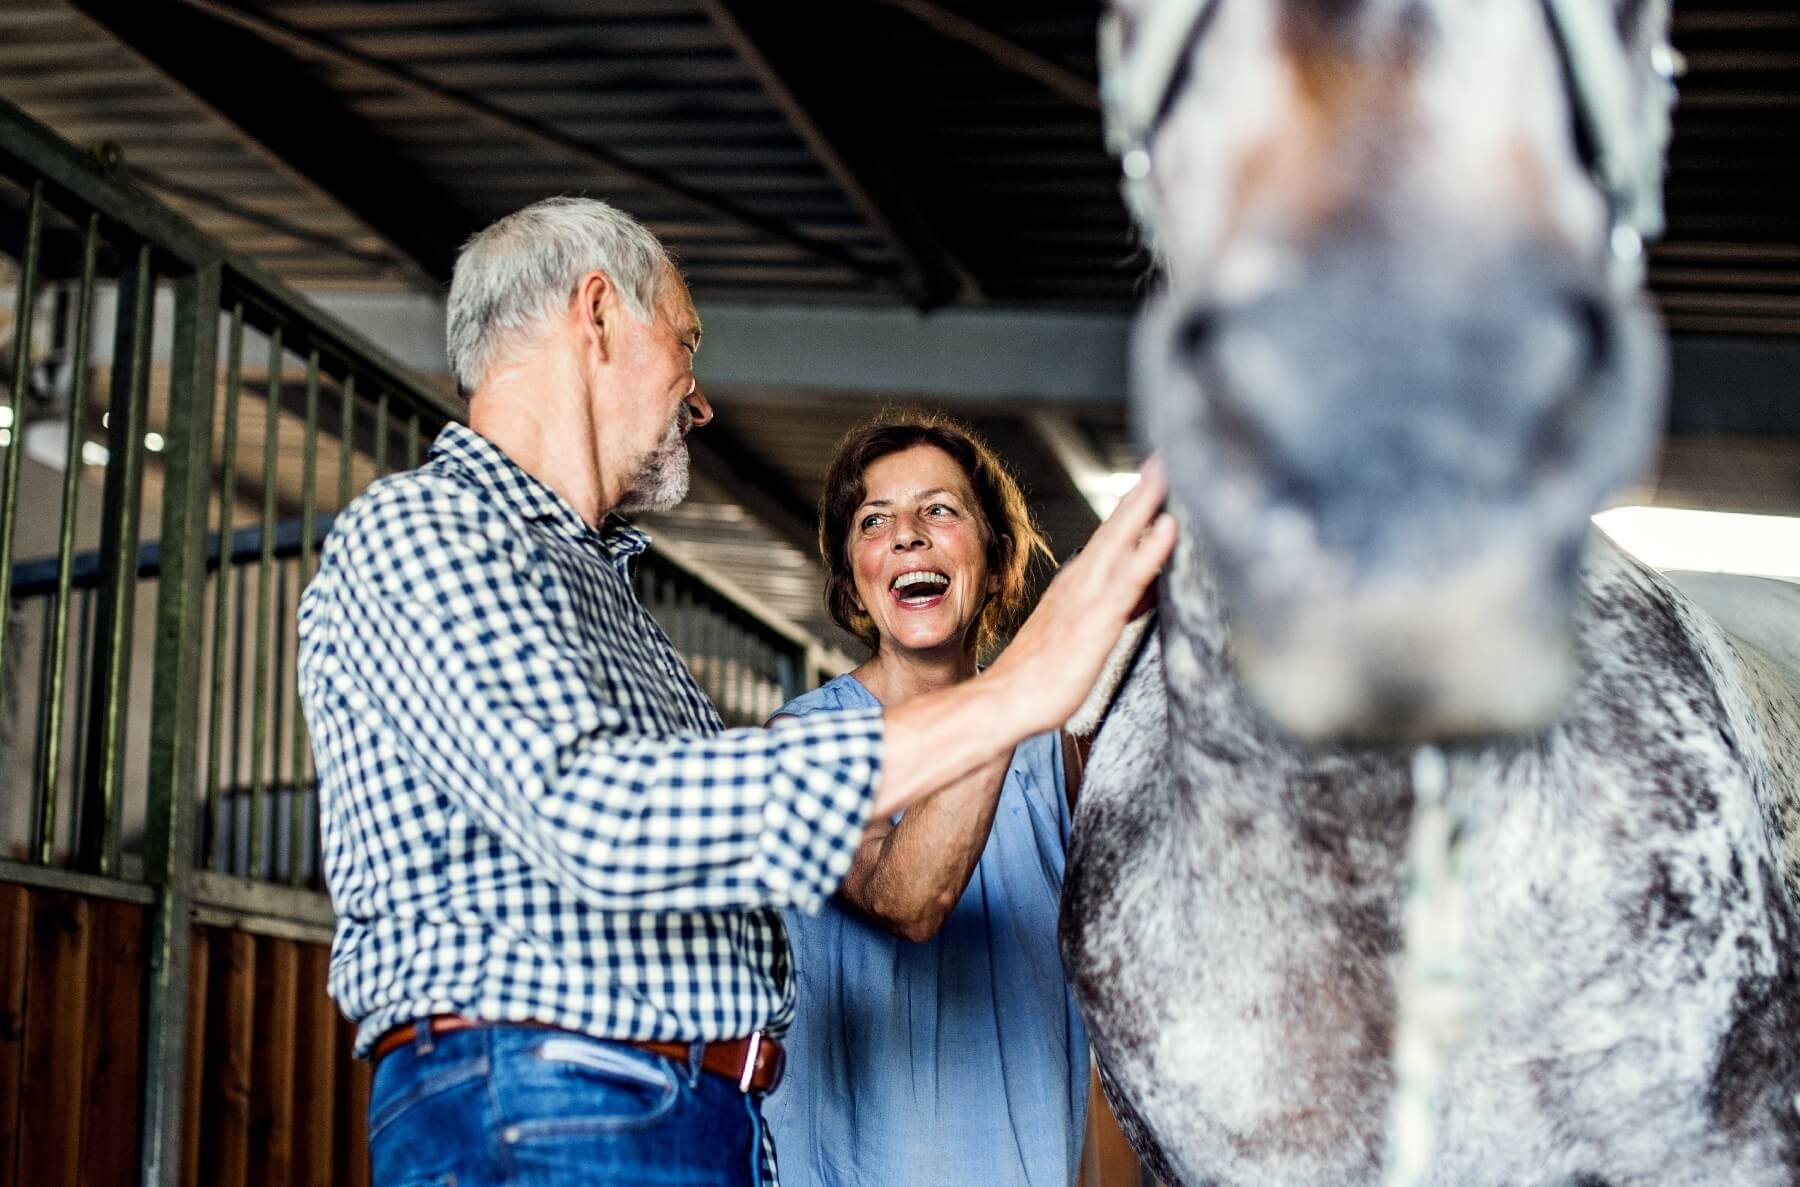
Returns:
(1625,140)
(1139,85)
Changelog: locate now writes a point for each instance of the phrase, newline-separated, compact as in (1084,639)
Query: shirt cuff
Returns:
(818,806)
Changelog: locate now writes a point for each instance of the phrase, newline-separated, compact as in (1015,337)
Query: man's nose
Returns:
(698,406)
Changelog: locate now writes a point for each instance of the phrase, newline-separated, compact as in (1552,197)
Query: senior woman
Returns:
(935,1043)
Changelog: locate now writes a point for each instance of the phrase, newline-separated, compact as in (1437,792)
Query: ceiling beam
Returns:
(272,100)
(1076,457)
(821,104)
(542,136)
(1021,361)
(957,355)
(200,196)
(753,485)
(1004,51)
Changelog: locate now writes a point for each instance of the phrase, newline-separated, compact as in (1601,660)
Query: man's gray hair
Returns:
(515,275)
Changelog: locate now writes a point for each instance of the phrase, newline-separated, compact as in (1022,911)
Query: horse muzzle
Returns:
(1391,469)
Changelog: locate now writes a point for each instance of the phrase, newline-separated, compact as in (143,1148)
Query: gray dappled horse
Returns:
(1430,839)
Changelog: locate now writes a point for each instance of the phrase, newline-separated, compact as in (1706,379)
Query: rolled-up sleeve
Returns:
(448,638)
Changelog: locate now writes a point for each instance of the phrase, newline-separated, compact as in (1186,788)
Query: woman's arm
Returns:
(907,877)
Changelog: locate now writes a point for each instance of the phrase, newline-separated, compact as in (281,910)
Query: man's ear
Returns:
(596,307)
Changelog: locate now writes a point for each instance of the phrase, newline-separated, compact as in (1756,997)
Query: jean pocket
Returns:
(408,1094)
(570,1085)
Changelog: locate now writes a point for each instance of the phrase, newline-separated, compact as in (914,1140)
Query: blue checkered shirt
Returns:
(529,808)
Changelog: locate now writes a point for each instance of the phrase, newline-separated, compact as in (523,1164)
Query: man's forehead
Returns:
(678,305)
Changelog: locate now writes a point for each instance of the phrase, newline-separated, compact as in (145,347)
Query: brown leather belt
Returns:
(753,1063)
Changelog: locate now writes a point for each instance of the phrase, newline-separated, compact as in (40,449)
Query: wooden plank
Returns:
(15,934)
(1108,1159)
(272,1075)
(231,995)
(317,1055)
(115,1044)
(56,1013)
(192,1097)
(353,1114)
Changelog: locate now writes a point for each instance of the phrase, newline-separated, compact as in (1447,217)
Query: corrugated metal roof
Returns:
(1006,173)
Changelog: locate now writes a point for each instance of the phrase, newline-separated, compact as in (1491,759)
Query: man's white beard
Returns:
(661,481)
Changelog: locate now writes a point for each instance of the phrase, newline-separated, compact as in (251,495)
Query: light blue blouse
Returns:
(959,1062)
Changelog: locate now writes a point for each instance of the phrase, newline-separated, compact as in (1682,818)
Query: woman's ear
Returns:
(996,572)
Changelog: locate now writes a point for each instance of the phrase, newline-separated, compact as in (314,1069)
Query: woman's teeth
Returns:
(920,586)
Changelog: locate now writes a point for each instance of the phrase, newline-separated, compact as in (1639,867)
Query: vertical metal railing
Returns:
(49,767)
(23,316)
(746,660)
(221,601)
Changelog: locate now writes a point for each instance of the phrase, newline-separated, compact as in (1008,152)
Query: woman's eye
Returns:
(940,510)
(869,521)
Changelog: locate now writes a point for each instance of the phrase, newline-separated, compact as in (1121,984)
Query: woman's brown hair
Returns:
(1013,541)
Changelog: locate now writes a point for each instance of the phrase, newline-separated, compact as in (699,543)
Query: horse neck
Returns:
(1193,618)
(1227,756)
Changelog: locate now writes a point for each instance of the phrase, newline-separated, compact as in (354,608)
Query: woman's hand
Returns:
(1055,657)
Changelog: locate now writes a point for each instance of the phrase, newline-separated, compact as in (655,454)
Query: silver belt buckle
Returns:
(753,1048)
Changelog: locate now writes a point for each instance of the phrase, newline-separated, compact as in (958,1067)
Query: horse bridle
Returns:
(1623,141)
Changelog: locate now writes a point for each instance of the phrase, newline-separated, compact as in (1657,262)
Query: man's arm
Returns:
(443,644)
(445,637)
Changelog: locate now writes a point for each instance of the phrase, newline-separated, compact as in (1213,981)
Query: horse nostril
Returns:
(1195,332)
(1594,330)
(1576,405)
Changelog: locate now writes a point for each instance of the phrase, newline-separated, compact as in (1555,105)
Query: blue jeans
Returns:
(530,1107)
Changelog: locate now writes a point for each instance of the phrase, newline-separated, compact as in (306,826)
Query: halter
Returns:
(1623,141)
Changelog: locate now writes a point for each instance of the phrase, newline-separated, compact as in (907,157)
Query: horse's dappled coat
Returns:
(1395,369)
(1231,921)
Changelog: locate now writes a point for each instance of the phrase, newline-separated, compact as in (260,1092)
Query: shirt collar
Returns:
(487,465)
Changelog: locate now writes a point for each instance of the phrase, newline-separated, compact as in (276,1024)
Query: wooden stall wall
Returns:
(272,1097)
(71,1019)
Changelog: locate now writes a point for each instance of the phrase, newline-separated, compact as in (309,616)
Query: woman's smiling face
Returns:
(918,550)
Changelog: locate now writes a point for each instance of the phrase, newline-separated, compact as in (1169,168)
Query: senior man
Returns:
(557,878)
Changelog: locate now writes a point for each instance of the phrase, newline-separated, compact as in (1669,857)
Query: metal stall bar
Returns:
(15,423)
(303,571)
(99,816)
(346,440)
(174,759)
(222,583)
(381,434)
(56,672)
(260,725)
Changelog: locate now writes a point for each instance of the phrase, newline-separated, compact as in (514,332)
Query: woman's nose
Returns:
(907,534)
